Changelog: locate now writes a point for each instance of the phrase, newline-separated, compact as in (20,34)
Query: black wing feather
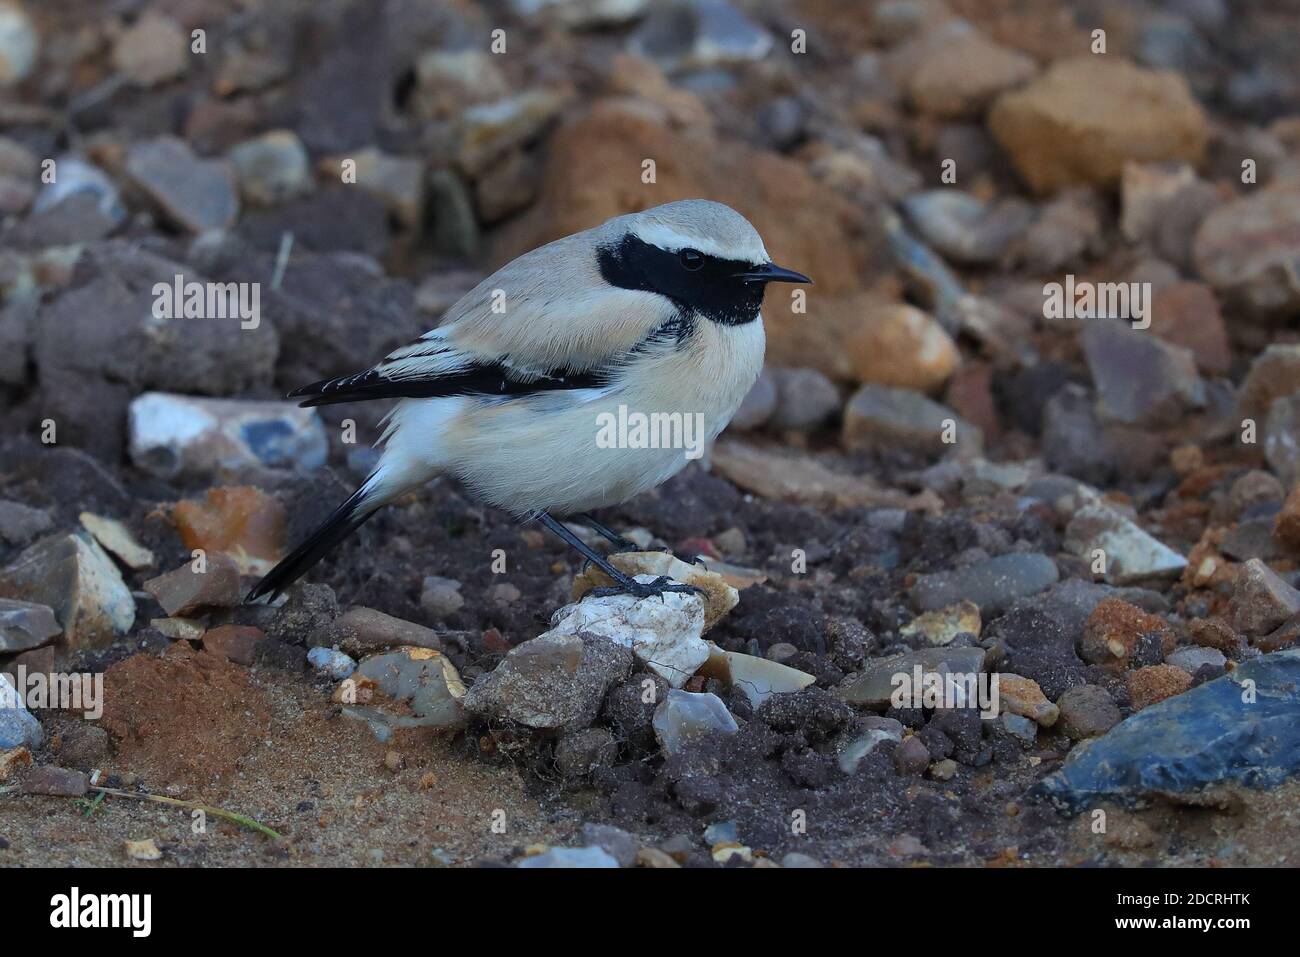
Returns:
(480,379)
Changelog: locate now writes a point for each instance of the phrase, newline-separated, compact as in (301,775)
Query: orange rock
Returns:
(239,520)
(1154,683)
(237,643)
(898,345)
(1112,632)
(1286,526)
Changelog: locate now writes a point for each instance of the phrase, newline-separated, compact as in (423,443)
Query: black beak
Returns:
(770,272)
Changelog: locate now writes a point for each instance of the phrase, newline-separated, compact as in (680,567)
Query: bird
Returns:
(657,311)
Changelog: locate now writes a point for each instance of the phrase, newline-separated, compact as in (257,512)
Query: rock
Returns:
(900,346)
(20,524)
(662,632)
(17,726)
(960,78)
(1261,601)
(757,678)
(941,626)
(1073,441)
(569,857)
(237,643)
(195,194)
(363,631)
(553,681)
(490,130)
(271,168)
(146,850)
(178,629)
(74,577)
(1186,314)
(441,597)
(1022,729)
(1129,554)
(12,760)
(186,590)
(1066,230)
(1140,379)
(1063,128)
(966,229)
(618,843)
(699,35)
(455,228)
(1282,438)
(944,770)
(992,584)
(1246,250)
(422,682)
(1273,375)
(719,597)
(683,718)
(912,757)
(1145,192)
(1240,727)
(653,857)
(1192,659)
(151,51)
(758,406)
(852,753)
(878,417)
(1022,696)
(19,44)
(398,181)
(57,782)
(117,540)
(1116,630)
(240,521)
(25,625)
(1087,711)
(805,399)
(446,81)
(1286,526)
(798,478)
(875,685)
(331,663)
(179,436)
(508,186)
(585,750)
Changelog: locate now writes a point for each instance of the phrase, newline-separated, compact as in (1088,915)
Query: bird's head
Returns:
(699,254)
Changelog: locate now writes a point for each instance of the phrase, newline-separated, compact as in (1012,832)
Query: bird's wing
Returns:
(546,321)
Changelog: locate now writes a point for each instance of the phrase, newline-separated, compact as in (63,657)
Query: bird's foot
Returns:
(660,586)
(634,548)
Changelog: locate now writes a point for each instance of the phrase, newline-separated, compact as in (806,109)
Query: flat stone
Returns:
(117,539)
(1140,378)
(423,683)
(362,631)
(570,857)
(1238,728)
(1261,600)
(184,591)
(195,194)
(878,417)
(874,686)
(683,718)
(757,678)
(1131,554)
(57,782)
(25,625)
(992,584)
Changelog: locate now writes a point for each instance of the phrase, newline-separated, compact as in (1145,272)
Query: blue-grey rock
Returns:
(1240,728)
(17,726)
(993,584)
(570,857)
(685,717)
(331,663)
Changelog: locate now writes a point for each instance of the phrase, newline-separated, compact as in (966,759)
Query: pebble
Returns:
(567,857)
(1022,696)
(852,753)
(117,539)
(1130,554)
(964,228)
(805,399)
(332,662)
(1140,379)
(960,77)
(618,843)
(941,626)
(684,717)
(1115,630)
(186,590)
(662,632)
(798,860)
(20,524)
(699,35)
(490,130)
(18,728)
(944,770)
(992,584)
(1261,600)
(57,782)
(19,44)
(758,406)
(25,625)
(874,686)
(151,51)
(1192,659)
(74,577)
(195,194)
(145,850)
(1021,728)
(441,597)
(1245,249)
(181,436)
(653,857)
(899,346)
(237,643)
(271,168)
(878,417)
(1282,438)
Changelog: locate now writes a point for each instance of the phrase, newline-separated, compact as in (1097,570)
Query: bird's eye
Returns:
(692,259)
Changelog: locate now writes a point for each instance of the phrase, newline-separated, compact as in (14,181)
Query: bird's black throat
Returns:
(713,290)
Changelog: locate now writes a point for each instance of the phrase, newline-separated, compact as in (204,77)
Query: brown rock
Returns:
(1154,683)
(361,631)
(59,782)
(1187,314)
(1064,128)
(1273,374)
(1087,711)
(1246,248)
(961,77)
(1113,630)
(895,344)
(1214,633)
(240,521)
(1022,696)
(1261,600)
(187,590)
(237,643)
(1287,524)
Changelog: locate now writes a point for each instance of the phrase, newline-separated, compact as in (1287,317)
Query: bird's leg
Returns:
(627,545)
(622,583)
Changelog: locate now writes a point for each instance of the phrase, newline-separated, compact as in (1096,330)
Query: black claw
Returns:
(659,586)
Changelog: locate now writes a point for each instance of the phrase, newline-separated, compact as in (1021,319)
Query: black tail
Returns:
(344,520)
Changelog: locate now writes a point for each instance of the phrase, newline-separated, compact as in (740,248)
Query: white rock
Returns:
(331,663)
(662,631)
(17,726)
(175,436)
(1130,553)
(570,857)
(683,717)
(19,44)
(115,537)
(757,678)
